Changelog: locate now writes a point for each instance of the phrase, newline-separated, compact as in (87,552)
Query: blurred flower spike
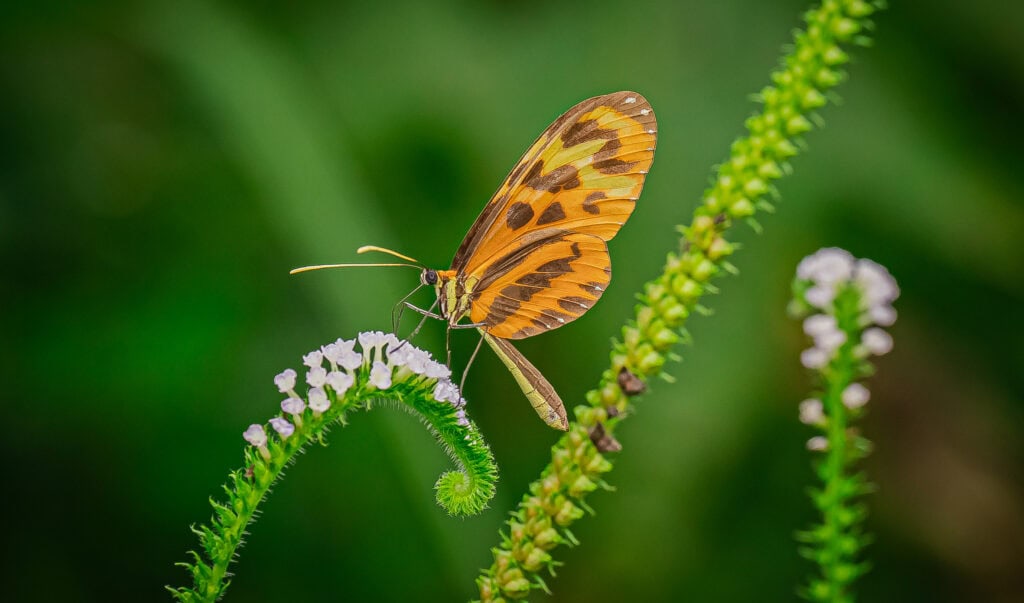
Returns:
(844,303)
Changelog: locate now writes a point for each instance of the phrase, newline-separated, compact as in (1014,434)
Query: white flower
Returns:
(826,266)
(877,285)
(817,444)
(351,360)
(814,358)
(318,401)
(339,382)
(335,351)
(830,341)
(882,315)
(436,370)
(877,341)
(313,359)
(255,435)
(285,382)
(812,412)
(855,396)
(820,296)
(462,420)
(417,361)
(370,341)
(332,352)
(316,376)
(293,406)
(446,391)
(818,324)
(380,375)
(282,427)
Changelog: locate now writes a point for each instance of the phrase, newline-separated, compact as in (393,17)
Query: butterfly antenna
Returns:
(366,248)
(322,266)
(415,263)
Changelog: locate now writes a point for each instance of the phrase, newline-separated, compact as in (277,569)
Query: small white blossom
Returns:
(339,382)
(285,382)
(316,376)
(282,427)
(820,296)
(462,420)
(830,341)
(380,375)
(817,324)
(446,391)
(318,400)
(399,355)
(817,444)
(255,435)
(814,358)
(417,361)
(351,360)
(812,412)
(829,265)
(436,370)
(293,406)
(313,359)
(855,396)
(878,287)
(882,315)
(877,341)
(372,341)
(332,352)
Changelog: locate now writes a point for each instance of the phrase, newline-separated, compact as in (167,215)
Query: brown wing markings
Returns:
(518,215)
(612,116)
(543,286)
(562,177)
(552,213)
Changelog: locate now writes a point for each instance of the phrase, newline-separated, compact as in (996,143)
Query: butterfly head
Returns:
(428,277)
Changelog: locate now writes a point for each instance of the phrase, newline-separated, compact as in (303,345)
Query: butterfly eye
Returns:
(429,277)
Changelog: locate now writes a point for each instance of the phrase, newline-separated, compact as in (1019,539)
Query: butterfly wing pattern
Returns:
(537,257)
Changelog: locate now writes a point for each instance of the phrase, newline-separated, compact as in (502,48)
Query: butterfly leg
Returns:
(465,371)
(426,314)
(399,309)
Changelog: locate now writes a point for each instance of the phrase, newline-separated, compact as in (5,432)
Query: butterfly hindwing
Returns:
(542,396)
(542,285)
(583,175)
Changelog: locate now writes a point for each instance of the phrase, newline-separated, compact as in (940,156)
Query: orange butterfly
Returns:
(536,258)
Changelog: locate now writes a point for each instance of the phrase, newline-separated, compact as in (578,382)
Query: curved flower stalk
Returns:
(341,377)
(741,186)
(844,304)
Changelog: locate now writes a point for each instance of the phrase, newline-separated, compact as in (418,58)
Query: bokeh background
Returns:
(164,164)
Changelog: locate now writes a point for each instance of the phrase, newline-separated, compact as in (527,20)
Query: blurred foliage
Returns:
(165,164)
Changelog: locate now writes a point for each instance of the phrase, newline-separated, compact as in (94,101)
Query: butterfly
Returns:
(536,258)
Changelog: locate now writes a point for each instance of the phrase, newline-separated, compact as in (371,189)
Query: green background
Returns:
(165,164)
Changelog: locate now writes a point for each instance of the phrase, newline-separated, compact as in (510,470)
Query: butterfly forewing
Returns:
(583,174)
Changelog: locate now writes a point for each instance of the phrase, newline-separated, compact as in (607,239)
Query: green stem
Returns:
(742,186)
(465,491)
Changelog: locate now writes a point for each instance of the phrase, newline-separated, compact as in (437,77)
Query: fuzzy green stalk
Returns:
(464,491)
(844,303)
(742,186)
(835,543)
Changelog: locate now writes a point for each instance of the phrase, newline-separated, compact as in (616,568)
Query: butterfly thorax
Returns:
(454,293)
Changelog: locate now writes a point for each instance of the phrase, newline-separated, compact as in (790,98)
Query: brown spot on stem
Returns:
(603,440)
(630,384)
